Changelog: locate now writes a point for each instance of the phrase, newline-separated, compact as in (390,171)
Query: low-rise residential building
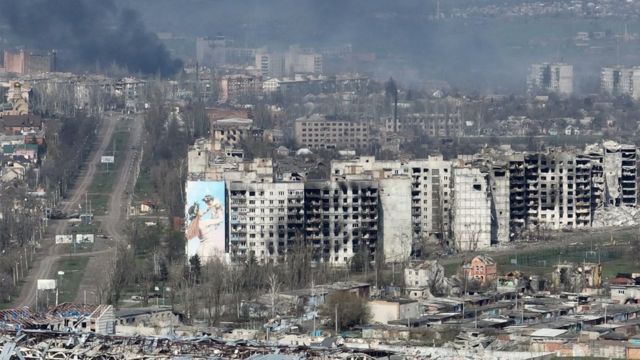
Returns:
(482,268)
(623,294)
(424,279)
(21,124)
(385,310)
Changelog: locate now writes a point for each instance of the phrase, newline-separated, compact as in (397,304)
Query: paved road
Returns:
(114,221)
(43,265)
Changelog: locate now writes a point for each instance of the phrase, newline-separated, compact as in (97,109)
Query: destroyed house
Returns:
(21,124)
(24,318)
(97,319)
(146,316)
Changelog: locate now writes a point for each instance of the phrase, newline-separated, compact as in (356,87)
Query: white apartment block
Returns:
(617,80)
(551,77)
(269,64)
(294,61)
(472,222)
(621,81)
(299,60)
(431,194)
(563,189)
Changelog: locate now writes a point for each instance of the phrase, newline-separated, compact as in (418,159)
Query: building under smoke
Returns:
(551,78)
(87,33)
(28,63)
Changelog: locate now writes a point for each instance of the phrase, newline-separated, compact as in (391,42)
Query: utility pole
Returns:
(475,312)
(393,273)
(336,311)
(313,296)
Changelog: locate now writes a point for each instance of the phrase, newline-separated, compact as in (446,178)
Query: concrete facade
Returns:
(269,64)
(551,77)
(618,81)
(442,117)
(23,63)
(431,195)
(321,132)
(472,226)
(500,201)
(620,174)
(265,219)
(383,311)
(341,220)
(235,86)
(299,60)
(395,215)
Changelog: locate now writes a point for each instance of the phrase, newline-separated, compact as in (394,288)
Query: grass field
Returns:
(614,258)
(103,182)
(144,187)
(73,268)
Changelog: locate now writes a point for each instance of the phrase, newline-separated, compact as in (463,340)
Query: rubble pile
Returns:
(616,216)
(42,344)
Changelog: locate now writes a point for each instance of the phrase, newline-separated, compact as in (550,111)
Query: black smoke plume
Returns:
(89,32)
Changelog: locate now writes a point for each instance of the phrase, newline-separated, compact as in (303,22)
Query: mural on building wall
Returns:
(205,219)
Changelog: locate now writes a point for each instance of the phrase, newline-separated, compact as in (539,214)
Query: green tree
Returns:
(351,309)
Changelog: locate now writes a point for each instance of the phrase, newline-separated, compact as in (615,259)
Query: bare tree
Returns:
(234,284)
(212,289)
(119,274)
(273,282)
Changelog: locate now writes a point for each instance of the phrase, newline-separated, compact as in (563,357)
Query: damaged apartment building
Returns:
(429,181)
(554,189)
(391,208)
(270,214)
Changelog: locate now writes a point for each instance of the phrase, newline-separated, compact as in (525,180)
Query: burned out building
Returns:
(441,117)
(235,87)
(558,190)
(619,165)
(500,201)
(341,219)
(265,219)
